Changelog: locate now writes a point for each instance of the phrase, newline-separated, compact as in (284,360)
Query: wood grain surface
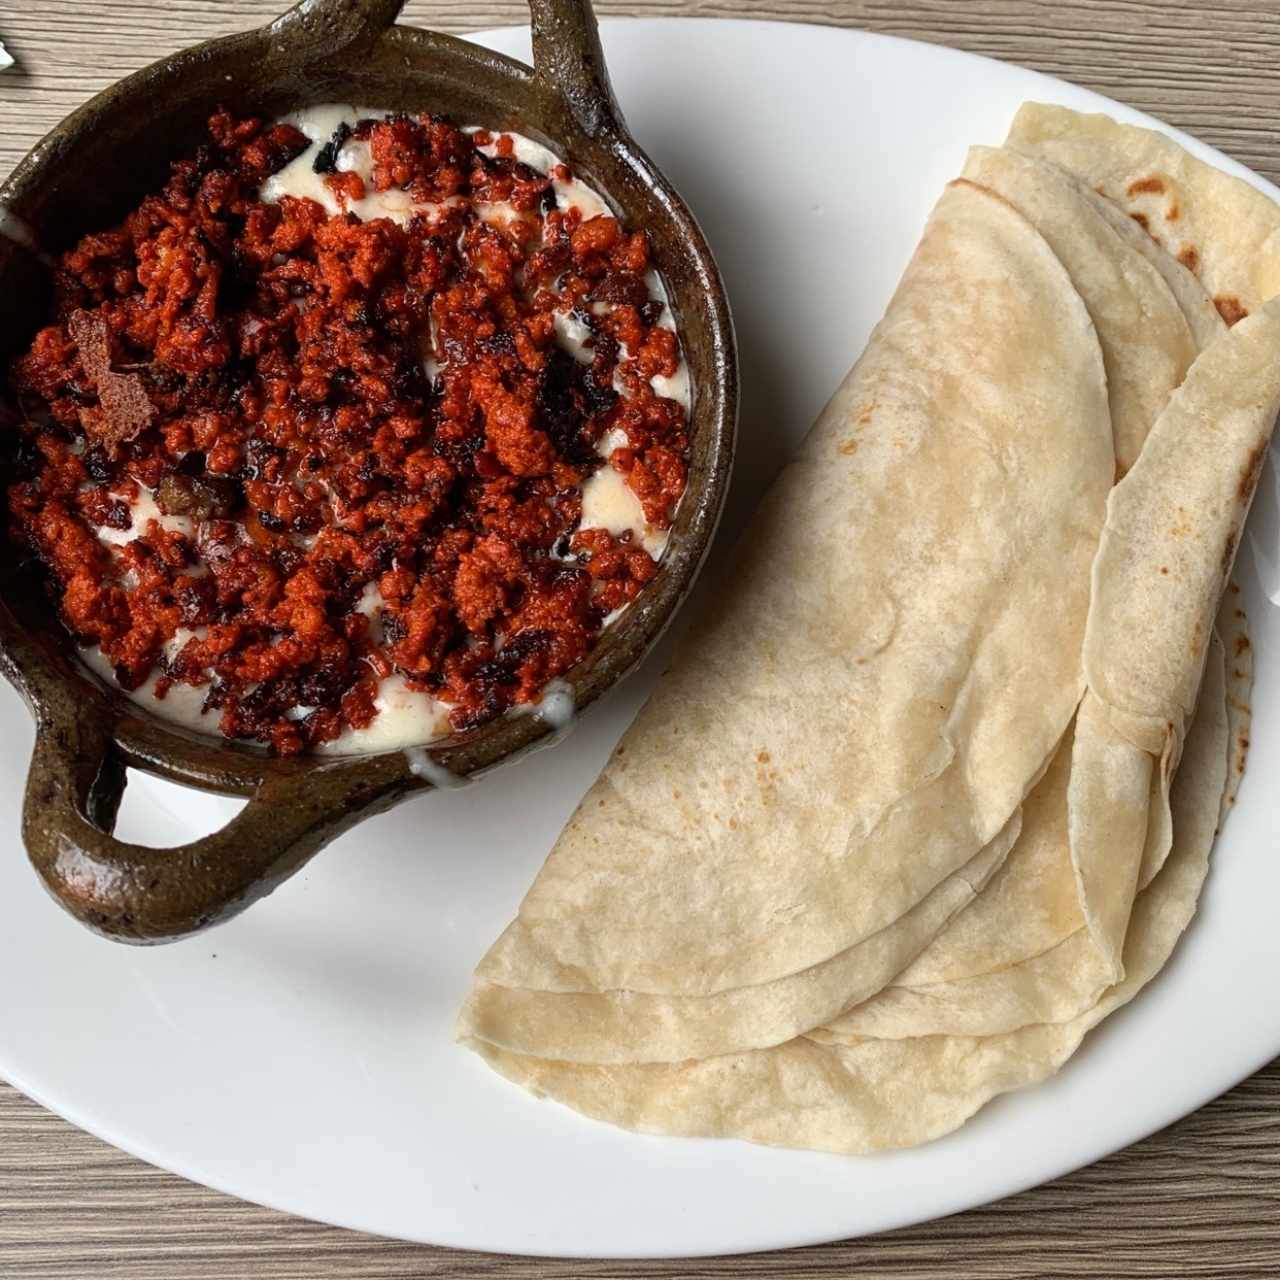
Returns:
(1201,1199)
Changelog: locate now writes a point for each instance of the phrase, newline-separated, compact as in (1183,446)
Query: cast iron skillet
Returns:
(86,174)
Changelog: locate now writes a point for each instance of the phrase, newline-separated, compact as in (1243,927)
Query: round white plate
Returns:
(303,1056)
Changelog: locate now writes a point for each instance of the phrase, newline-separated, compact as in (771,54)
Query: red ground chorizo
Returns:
(333,508)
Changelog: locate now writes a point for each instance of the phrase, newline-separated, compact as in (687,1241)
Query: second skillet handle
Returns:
(568,62)
(328,26)
(137,894)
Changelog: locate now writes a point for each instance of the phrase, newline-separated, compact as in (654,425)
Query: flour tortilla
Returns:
(988,972)
(1147,343)
(1054,986)
(1203,318)
(1109,816)
(1022,953)
(852,717)
(628,1026)
(1173,527)
(1224,230)
(1029,906)
(1018,955)
(882,1094)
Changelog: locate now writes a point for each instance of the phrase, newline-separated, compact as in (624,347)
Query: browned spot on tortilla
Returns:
(1230,308)
(1237,673)
(1252,470)
(733,824)
(763,758)
(1242,645)
(1146,186)
(1121,469)
(124,411)
(1142,220)
(848,447)
(1228,553)
(1234,588)
(1239,613)
(1189,256)
(1164,569)
(1244,741)
(1173,212)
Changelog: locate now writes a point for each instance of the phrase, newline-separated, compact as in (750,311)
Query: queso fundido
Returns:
(357,433)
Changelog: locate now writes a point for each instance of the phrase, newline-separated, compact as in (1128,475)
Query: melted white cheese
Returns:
(299,178)
(608,502)
(370,604)
(676,387)
(142,510)
(423,765)
(405,718)
(555,708)
(182,704)
(574,194)
(573,336)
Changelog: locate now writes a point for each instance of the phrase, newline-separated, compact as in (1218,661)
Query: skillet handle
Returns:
(568,63)
(328,26)
(567,59)
(135,894)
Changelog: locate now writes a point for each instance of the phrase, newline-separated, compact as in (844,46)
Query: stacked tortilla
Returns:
(931,785)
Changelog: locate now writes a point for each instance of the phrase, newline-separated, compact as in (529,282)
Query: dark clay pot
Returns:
(86,174)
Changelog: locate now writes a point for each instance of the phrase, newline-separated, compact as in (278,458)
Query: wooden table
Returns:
(1200,1199)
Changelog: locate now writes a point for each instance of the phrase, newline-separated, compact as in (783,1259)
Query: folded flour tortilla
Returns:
(1224,230)
(1018,955)
(625,1026)
(881,1094)
(1147,342)
(1173,527)
(1172,530)
(852,718)
(1205,321)
(1119,813)
(1022,953)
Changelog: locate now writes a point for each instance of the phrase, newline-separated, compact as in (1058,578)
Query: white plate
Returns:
(302,1056)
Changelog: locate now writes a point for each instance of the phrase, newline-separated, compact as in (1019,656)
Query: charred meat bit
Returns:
(201,499)
(326,160)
